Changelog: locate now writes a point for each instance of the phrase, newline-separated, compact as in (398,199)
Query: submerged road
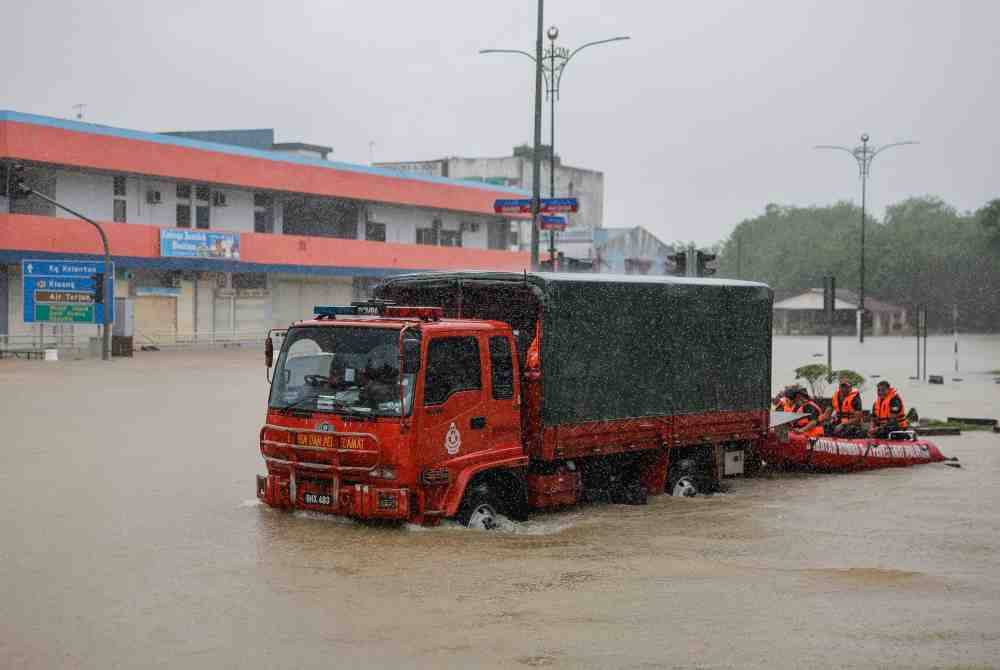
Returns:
(130,537)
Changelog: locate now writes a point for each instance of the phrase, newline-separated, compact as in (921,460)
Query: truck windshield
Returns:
(348,370)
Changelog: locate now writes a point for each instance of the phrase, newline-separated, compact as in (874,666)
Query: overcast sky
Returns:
(705,116)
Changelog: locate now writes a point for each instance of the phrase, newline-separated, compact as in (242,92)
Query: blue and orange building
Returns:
(229,232)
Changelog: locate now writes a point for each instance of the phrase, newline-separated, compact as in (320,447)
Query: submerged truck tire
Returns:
(682,481)
(481,508)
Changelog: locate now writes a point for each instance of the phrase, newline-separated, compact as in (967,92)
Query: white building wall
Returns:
(237,215)
(90,194)
(163,214)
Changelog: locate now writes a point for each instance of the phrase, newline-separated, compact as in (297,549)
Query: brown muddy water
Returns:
(130,537)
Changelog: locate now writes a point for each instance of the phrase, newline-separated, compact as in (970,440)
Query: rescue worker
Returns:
(888,412)
(846,411)
(812,423)
(784,401)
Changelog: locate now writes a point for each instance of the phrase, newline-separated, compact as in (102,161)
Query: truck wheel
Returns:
(685,487)
(683,481)
(480,509)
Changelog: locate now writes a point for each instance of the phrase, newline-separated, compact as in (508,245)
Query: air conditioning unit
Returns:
(218,199)
(154,197)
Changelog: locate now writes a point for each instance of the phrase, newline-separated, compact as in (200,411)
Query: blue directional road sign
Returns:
(62,291)
(521,206)
(549,222)
(546,206)
(555,205)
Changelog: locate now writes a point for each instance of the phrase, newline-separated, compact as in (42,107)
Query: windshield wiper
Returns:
(347,409)
(296,405)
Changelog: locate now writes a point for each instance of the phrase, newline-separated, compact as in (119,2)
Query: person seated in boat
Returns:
(811,424)
(784,401)
(888,412)
(844,419)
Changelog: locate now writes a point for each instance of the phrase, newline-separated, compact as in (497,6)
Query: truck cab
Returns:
(388,412)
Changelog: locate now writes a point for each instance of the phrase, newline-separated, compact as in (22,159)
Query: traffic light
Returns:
(98,288)
(703,258)
(680,260)
(17,189)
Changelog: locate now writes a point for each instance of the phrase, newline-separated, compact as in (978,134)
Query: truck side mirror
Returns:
(268,351)
(411,357)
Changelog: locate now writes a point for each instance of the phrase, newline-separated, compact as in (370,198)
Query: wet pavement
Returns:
(131,538)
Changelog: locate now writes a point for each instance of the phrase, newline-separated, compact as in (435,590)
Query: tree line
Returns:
(923,252)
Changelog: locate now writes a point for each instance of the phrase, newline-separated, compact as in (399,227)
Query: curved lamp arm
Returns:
(507,51)
(894,144)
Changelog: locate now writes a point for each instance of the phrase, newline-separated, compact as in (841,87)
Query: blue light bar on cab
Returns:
(334,310)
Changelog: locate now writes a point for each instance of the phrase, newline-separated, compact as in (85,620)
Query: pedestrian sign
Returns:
(65,291)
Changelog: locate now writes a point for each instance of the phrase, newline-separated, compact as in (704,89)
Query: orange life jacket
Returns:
(815,431)
(784,405)
(533,359)
(845,408)
(885,415)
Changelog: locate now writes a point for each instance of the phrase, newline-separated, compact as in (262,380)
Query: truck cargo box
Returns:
(620,347)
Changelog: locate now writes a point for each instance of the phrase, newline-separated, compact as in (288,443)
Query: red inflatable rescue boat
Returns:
(834,454)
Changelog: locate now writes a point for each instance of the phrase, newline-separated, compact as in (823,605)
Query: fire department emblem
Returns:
(452,440)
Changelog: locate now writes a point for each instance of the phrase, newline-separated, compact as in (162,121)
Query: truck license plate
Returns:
(317,499)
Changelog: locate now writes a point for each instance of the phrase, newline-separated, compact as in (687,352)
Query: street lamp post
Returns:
(864,154)
(552,72)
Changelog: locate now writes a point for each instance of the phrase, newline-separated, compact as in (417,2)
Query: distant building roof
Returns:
(813,300)
(255,138)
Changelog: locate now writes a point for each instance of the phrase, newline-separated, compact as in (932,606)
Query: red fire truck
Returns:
(471,395)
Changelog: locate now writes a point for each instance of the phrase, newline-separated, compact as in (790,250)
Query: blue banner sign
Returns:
(553,205)
(521,206)
(550,222)
(64,291)
(546,206)
(179,243)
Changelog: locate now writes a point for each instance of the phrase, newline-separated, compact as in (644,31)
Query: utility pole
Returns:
(536,158)
(551,72)
(864,155)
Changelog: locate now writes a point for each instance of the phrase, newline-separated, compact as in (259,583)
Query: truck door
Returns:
(504,416)
(454,420)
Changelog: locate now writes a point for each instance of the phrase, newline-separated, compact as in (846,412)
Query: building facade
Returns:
(286,228)
(516,171)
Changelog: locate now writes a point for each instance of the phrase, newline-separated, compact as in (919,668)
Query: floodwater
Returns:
(130,537)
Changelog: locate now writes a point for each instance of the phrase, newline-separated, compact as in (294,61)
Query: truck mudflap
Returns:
(359,501)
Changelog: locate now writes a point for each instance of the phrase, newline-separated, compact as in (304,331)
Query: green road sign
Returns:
(64,313)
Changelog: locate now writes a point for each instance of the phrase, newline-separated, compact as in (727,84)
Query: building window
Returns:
(119,186)
(184,192)
(375,232)
(497,236)
(426,236)
(3,179)
(571,188)
(183,216)
(202,193)
(430,235)
(263,221)
(201,216)
(450,238)
(261,200)
(120,216)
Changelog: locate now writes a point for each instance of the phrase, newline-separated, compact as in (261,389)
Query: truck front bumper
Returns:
(359,501)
